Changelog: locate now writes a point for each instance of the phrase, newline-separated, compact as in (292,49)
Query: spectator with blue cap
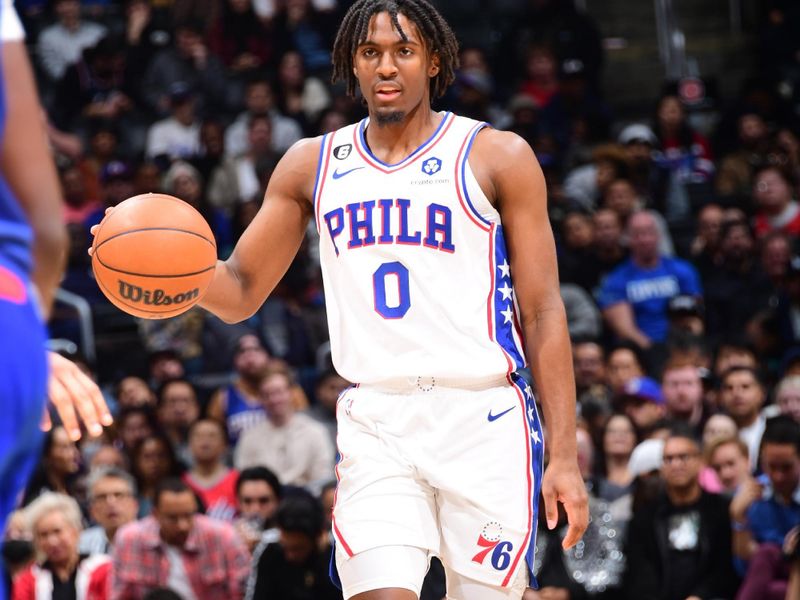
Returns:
(641,399)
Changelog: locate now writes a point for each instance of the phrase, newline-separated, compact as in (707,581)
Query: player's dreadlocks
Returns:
(438,36)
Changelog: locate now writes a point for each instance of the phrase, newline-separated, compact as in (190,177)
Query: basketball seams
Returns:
(148,275)
(123,233)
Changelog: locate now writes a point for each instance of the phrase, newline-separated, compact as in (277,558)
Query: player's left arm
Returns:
(508,171)
(28,168)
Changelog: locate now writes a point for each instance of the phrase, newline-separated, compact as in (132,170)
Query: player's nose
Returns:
(386,66)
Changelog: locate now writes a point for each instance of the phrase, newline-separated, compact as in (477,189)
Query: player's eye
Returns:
(406,51)
(368,52)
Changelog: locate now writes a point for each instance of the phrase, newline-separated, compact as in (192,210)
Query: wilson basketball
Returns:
(154,256)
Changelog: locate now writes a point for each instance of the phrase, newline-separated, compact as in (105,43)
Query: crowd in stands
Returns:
(680,271)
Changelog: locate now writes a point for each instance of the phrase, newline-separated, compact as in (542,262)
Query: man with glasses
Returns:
(112,504)
(679,545)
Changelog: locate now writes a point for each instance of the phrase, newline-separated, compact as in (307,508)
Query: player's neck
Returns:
(393,142)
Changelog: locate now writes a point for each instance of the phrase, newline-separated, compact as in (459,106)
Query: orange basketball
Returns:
(154,256)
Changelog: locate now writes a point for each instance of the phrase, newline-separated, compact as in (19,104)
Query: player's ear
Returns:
(433,68)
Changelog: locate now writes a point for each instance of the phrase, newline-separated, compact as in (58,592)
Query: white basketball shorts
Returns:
(454,471)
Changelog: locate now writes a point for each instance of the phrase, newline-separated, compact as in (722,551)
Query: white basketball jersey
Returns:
(414,263)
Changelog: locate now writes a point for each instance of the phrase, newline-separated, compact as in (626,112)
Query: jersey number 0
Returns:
(402,302)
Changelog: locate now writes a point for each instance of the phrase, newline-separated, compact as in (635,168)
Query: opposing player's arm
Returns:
(30,173)
(266,249)
(508,171)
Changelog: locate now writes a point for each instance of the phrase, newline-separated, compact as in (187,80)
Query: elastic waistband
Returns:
(424,383)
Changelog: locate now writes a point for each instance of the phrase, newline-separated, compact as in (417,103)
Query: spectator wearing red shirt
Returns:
(199,557)
(210,478)
(541,83)
(773,193)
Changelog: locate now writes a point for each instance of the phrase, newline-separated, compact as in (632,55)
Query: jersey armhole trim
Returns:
(11,29)
(322,171)
(461,178)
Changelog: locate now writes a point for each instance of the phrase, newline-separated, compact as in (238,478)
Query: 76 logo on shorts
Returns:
(491,544)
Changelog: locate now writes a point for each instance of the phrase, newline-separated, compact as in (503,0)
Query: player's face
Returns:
(394,73)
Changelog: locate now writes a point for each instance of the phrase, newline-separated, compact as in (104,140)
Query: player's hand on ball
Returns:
(94,228)
(74,395)
(562,482)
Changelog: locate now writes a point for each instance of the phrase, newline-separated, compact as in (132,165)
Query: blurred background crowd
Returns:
(672,190)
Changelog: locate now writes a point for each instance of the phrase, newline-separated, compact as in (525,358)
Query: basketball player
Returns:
(424,217)
(32,250)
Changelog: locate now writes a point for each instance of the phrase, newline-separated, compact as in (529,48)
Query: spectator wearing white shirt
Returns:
(61,44)
(236,180)
(177,136)
(291,444)
(259,98)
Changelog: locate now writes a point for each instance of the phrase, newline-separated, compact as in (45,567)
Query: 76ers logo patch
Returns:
(491,545)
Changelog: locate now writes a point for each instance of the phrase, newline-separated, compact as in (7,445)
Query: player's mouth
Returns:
(387,92)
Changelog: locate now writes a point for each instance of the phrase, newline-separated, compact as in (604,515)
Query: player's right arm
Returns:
(266,249)
(28,167)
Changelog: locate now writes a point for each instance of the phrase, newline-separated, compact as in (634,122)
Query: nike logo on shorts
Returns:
(490,417)
(337,175)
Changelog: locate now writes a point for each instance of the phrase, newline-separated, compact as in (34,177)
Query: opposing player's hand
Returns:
(75,395)
(563,483)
